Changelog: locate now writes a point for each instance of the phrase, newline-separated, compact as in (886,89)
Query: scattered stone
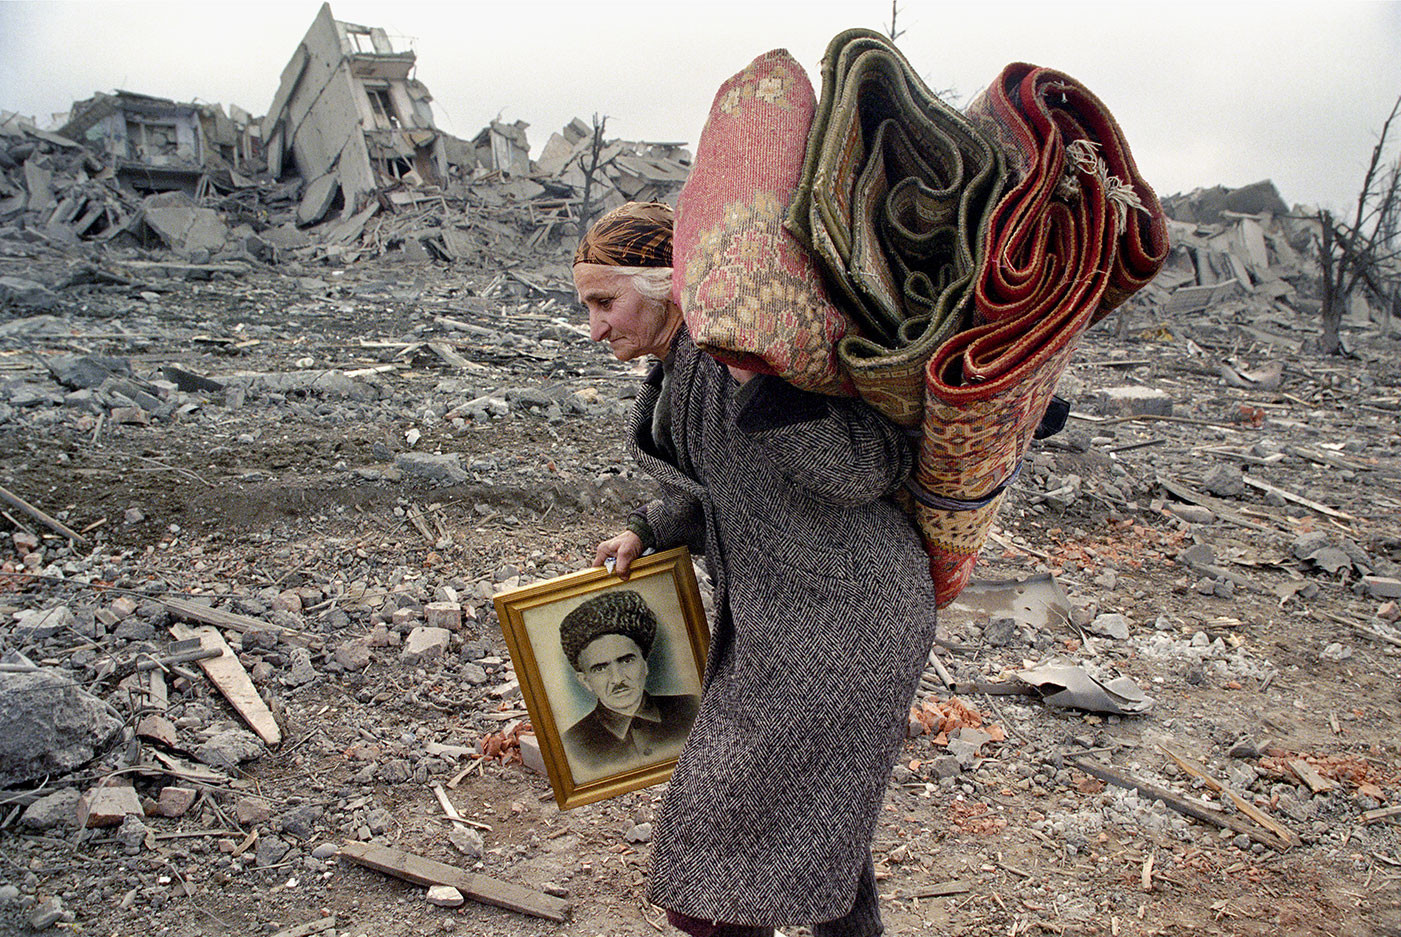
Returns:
(288,601)
(301,821)
(1193,513)
(325,851)
(157,728)
(1309,544)
(438,468)
(1244,749)
(532,758)
(176,801)
(302,671)
(47,913)
(945,766)
(1110,625)
(108,806)
(353,655)
(1132,400)
(1336,652)
(271,849)
(445,896)
(425,644)
(40,625)
(1224,481)
(57,809)
(132,834)
(1000,632)
(252,811)
(466,841)
(230,748)
(443,615)
(638,832)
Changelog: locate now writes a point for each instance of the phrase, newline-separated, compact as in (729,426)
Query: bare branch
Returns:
(892,31)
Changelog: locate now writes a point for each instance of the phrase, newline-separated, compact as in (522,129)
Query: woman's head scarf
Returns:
(637,234)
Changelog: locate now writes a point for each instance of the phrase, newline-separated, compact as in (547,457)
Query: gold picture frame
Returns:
(591,751)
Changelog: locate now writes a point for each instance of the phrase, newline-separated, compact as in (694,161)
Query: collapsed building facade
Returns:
(348,163)
(350,116)
(156,144)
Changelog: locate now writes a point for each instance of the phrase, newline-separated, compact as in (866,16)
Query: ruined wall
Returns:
(323,114)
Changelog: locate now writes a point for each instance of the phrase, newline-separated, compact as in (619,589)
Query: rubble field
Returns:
(337,454)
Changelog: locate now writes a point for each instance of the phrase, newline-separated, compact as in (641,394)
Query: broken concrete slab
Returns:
(1036,602)
(21,293)
(52,810)
(439,468)
(229,749)
(48,726)
(1132,400)
(184,227)
(320,193)
(425,644)
(1381,587)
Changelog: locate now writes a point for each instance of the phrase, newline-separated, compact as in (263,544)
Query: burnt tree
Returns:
(586,208)
(1363,253)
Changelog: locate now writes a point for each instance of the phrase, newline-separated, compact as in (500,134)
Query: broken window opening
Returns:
(360,38)
(383,106)
(147,140)
(396,168)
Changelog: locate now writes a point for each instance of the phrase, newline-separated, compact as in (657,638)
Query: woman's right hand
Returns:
(622,549)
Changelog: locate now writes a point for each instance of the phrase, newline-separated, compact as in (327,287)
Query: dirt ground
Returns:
(299,491)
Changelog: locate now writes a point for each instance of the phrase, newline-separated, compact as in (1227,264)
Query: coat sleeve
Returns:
(838,450)
(674,519)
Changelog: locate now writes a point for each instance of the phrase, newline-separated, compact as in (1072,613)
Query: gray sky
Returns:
(1207,94)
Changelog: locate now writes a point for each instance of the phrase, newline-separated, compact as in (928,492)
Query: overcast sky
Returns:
(1207,94)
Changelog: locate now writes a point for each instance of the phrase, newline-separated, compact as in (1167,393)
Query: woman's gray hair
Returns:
(650,282)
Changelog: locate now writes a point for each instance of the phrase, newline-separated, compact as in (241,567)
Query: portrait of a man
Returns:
(607,641)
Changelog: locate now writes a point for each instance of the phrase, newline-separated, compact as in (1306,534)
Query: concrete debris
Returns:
(48,725)
(229,749)
(108,805)
(445,896)
(59,809)
(425,644)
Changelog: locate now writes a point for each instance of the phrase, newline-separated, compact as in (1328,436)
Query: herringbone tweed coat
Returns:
(824,617)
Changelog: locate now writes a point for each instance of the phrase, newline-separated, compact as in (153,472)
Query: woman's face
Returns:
(629,322)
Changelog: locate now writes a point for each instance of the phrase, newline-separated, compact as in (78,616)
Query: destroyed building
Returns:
(503,146)
(157,144)
(350,116)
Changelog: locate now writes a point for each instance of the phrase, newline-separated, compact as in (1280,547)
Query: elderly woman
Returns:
(824,610)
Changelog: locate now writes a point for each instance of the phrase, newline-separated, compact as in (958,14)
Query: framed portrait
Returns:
(611,672)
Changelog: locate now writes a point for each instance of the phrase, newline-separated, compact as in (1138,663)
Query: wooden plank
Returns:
(193,611)
(1219,508)
(481,888)
(1243,805)
(941,889)
(1180,804)
(1381,813)
(20,504)
(1323,509)
(1310,776)
(226,673)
